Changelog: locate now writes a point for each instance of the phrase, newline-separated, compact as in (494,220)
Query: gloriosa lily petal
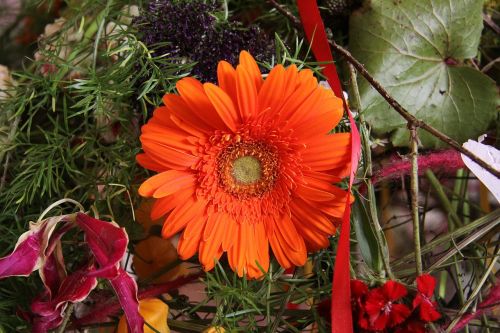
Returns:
(40,249)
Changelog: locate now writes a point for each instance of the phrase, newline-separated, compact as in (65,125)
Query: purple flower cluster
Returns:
(188,31)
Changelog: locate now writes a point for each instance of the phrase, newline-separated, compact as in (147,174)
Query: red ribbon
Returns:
(341,288)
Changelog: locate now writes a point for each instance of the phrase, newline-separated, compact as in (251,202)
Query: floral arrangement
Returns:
(255,166)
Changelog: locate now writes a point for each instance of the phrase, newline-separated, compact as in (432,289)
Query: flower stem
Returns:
(414,197)
(67,315)
(367,162)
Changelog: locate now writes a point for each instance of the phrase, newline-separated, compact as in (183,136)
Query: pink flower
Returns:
(382,309)
(425,285)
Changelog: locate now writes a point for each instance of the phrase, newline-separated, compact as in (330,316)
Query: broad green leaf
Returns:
(365,236)
(415,49)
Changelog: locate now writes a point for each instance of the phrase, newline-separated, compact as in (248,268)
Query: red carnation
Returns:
(412,326)
(425,286)
(359,291)
(381,308)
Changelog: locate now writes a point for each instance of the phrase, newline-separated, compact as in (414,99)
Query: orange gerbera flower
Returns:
(247,164)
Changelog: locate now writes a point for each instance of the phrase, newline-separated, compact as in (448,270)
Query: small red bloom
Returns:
(425,285)
(412,326)
(382,309)
(359,291)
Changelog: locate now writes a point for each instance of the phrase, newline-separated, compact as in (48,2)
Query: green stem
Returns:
(367,161)
(445,202)
(414,198)
(67,315)
(453,223)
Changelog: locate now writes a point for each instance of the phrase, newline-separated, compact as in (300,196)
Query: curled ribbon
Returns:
(341,313)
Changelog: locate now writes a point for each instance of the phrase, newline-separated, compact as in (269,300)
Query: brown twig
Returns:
(285,12)
(491,24)
(411,119)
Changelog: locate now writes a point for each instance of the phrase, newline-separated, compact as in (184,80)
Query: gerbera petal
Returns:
(231,234)
(314,238)
(334,208)
(161,116)
(248,62)
(210,246)
(247,93)
(262,245)
(147,162)
(310,192)
(192,92)
(252,253)
(174,185)
(309,217)
(273,89)
(185,214)
(278,251)
(320,124)
(226,76)
(291,242)
(223,105)
(178,107)
(172,137)
(332,152)
(322,196)
(237,253)
(189,241)
(307,84)
(291,81)
(327,177)
(164,205)
(151,185)
(313,102)
(168,156)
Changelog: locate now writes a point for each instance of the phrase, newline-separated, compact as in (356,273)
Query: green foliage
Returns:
(416,50)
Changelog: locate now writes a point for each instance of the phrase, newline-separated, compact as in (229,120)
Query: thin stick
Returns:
(414,197)
(283,11)
(372,199)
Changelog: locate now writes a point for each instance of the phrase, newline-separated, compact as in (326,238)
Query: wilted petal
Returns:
(29,252)
(74,288)
(53,271)
(126,290)
(107,241)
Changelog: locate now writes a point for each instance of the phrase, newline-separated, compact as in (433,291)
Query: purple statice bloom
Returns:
(188,31)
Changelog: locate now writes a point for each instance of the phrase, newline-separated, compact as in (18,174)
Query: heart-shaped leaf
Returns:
(415,49)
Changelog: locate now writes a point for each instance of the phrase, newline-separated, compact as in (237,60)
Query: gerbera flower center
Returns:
(247,169)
